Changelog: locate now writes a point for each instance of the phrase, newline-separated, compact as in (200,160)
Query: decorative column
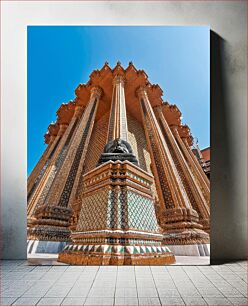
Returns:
(117,130)
(179,219)
(118,117)
(46,177)
(40,167)
(40,181)
(192,188)
(194,165)
(53,217)
(117,224)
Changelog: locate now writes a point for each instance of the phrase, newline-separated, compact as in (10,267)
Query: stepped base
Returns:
(190,250)
(41,247)
(116,255)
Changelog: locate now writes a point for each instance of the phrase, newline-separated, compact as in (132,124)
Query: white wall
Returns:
(228,107)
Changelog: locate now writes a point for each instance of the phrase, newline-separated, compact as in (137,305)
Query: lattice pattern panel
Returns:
(180,171)
(54,169)
(117,209)
(167,195)
(65,196)
(38,178)
(113,209)
(137,140)
(97,142)
(93,214)
(141,213)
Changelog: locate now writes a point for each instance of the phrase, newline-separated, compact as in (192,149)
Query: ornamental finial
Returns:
(96,92)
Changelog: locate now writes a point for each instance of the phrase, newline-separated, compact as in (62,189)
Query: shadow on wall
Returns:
(227,233)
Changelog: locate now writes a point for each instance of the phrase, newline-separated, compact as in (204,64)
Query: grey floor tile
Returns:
(147,292)
(12,293)
(126,283)
(210,292)
(75,269)
(121,301)
(74,301)
(42,268)
(59,268)
(50,301)
(105,284)
(57,292)
(166,292)
(84,280)
(91,269)
(221,285)
(230,292)
(239,301)
(27,301)
(165,284)
(217,301)
(7,301)
(166,301)
(106,275)
(36,291)
(192,292)
(149,301)
(79,291)
(194,301)
(142,269)
(99,301)
(125,269)
(126,292)
(124,275)
(102,292)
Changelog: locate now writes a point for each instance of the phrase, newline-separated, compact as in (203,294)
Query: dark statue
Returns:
(117,149)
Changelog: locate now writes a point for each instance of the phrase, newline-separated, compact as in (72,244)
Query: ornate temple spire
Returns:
(118,116)
(117,147)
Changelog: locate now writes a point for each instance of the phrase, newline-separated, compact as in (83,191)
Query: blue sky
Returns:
(61,57)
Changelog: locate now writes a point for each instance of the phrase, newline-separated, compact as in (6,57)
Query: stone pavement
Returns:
(22,284)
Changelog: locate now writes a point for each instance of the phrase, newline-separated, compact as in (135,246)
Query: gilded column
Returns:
(194,165)
(71,187)
(117,140)
(41,179)
(54,163)
(179,219)
(40,167)
(118,116)
(191,186)
(53,217)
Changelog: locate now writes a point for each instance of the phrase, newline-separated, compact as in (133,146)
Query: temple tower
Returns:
(118,182)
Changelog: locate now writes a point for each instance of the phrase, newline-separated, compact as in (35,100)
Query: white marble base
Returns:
(49,247)
(190,250)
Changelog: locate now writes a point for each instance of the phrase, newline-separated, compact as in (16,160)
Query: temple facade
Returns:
(118,182)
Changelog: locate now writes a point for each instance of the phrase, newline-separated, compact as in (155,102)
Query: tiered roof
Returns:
(133,80)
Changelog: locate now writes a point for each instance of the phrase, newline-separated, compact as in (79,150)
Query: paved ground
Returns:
(23,284)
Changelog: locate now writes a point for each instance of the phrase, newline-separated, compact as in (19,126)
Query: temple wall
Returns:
(137,139)
(97,142)
(96,145)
